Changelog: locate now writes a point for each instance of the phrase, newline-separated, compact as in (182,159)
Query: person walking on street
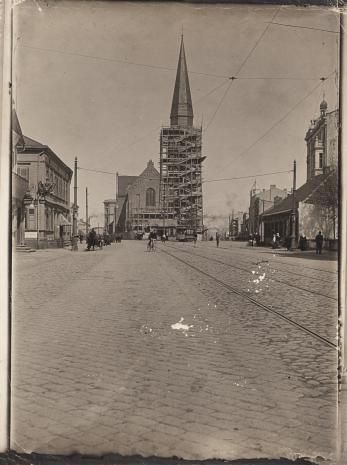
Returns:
(217,239)
(195,238)
(319,243)
(274,240)
(91,239)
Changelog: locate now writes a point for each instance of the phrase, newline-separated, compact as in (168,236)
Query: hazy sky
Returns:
(77,91)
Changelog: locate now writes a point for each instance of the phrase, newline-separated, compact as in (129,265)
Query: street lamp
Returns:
(43,189)
(293,214)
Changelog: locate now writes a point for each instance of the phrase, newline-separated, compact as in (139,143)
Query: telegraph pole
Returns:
(115,207)
(87,219)
(74,216)
(293,216)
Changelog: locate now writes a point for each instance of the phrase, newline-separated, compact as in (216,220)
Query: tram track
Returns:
(255,302)
(233,250)
(295,286)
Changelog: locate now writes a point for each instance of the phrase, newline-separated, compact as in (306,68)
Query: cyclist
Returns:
(151,237)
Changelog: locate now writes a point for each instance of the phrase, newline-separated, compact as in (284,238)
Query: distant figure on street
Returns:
(274,239)
(81,238)
(195,238)
(278,239)
(257,239)
(150,244)
(217,239)
(91,239)
(319,243)
(163,238)
(302,243)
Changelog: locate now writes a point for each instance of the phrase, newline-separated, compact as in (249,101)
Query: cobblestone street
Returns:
(190,351)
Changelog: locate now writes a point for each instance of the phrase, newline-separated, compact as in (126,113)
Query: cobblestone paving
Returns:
(98,366)
(274,284)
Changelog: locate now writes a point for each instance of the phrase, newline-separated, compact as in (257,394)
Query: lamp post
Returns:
(43,189)
(138,213)
(74,212)
(293,215)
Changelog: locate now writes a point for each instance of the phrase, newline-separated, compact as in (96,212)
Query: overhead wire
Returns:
(160,67)
(280,120)
(233,78)
(246,177)
(116,60)
(296,26)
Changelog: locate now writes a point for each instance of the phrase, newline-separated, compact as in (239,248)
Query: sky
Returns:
(95,80)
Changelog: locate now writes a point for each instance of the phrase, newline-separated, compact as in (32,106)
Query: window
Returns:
(320,160)
(23,171)
(150,197)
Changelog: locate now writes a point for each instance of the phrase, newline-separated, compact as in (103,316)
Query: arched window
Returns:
(150,197)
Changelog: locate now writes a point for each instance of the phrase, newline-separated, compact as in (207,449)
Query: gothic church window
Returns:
(150,197)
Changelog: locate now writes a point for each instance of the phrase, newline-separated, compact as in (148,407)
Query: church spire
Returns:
(182,108)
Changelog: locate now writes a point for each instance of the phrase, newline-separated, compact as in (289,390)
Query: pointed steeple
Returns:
(182,108)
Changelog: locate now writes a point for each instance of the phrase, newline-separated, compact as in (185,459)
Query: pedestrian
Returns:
(319,243)
(302,243)
(278,239)
(91,239)
(274,238)
(195,238)
(217,239)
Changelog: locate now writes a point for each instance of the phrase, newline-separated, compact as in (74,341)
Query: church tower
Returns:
(181,160)
(182,107)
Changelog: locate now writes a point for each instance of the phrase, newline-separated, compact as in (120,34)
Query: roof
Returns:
(18,139)
(123,183)
(301,195)
(32,144)
(150,171)
(182,108)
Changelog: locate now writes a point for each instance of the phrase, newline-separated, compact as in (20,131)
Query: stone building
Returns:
(322,142)
(110,212)
(47,213)
(138,207)
(316,201)
(260,202)
(181,158)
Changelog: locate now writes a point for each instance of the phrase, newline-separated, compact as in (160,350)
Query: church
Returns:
(181,158)
(168,200)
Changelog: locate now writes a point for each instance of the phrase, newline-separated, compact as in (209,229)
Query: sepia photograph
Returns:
(175,225)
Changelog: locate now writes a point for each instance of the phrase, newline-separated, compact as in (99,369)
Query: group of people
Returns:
(303,242)
(254,238)
(98,240)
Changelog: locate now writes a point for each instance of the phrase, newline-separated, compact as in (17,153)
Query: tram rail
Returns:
(233,250)
(255,302)
(295,286)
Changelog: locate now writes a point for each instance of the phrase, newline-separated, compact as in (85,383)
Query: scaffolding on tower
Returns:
(181,176)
